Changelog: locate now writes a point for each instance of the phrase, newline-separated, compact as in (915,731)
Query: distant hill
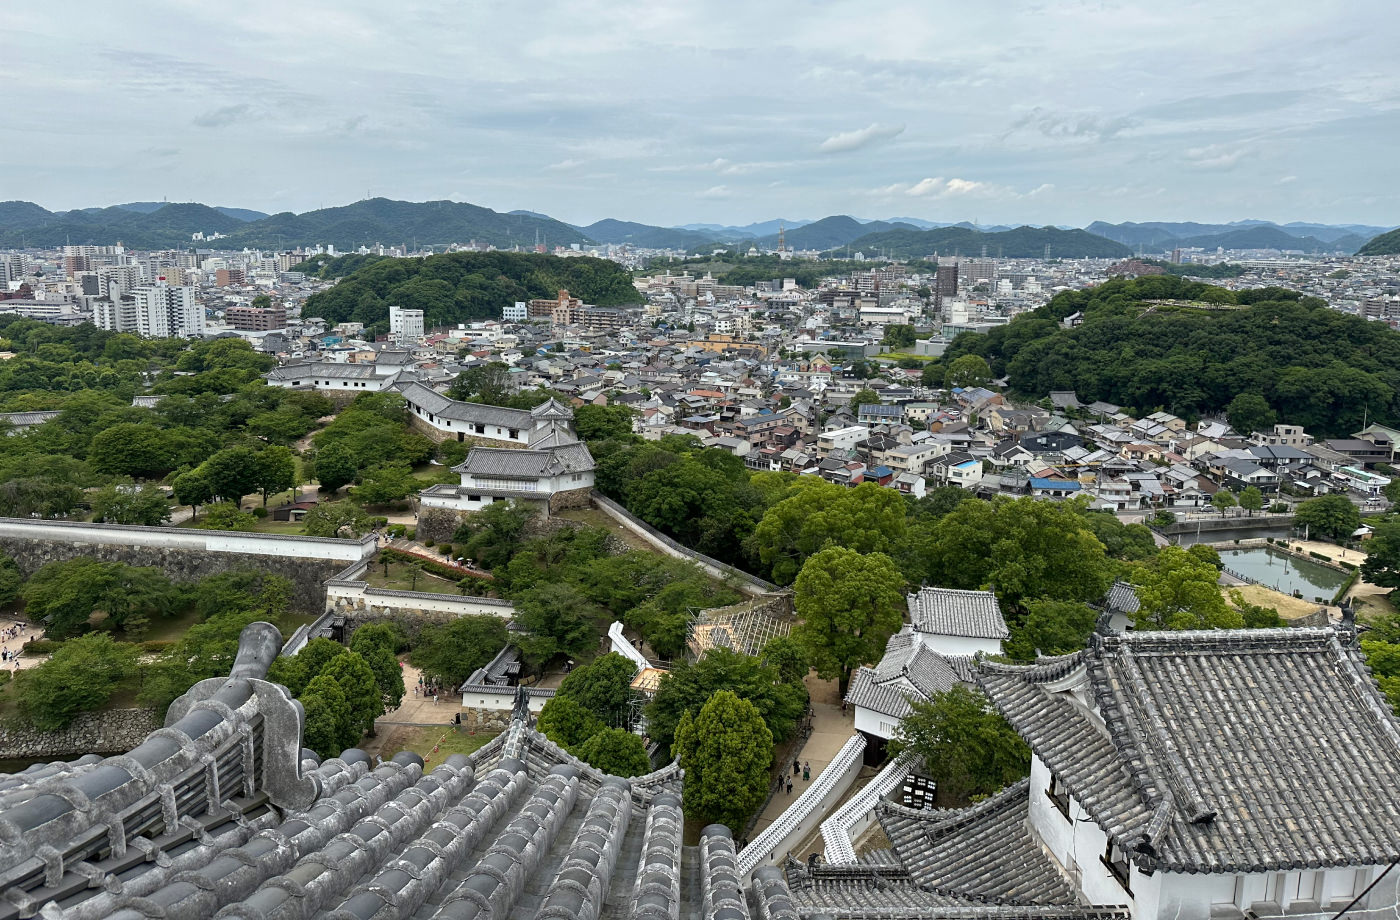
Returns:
(1243,234)
(828,233)
(462,286)
(375,220)
(647,236)
(1019,243)
(1387,244)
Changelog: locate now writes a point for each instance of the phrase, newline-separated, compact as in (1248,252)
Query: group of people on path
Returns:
(798,767)
(429,688)
(9,657)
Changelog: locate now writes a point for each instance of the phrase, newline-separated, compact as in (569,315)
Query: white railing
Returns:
(625,648)
(797,819)
(841,829)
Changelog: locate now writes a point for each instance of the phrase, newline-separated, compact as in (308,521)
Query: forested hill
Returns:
(463,286)
(374,220)
(1020,243)
(1315,367)
(1387,244)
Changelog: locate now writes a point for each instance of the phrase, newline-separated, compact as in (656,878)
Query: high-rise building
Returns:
(227,276)
(405,326)
(154,311)
(945,283)
(253,319)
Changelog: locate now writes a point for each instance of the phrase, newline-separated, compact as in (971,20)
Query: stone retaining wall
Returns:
(116,730)
(306,575)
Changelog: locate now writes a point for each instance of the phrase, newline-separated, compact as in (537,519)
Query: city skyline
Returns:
(666,114)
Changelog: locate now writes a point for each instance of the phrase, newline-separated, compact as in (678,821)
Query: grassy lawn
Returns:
(1288,607)
(400,578)
(422,739)
(1373,607)
(901,355)
(595,518)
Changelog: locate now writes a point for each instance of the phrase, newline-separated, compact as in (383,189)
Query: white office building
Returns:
(405,326)
(154,311)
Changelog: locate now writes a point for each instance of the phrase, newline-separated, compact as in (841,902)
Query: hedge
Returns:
(429,565)
(1346,586)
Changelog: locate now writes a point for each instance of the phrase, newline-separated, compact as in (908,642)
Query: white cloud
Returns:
(565,164)
(1218,156)
(715,191)
(847,141)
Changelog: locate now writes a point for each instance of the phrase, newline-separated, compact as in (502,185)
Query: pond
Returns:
(1285,573)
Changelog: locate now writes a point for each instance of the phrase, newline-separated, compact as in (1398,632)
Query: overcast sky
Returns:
(676,112)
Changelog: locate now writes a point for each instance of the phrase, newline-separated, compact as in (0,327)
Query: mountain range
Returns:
(161,225)
(1160,236)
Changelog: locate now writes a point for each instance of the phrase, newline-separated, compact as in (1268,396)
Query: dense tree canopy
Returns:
(778,698)
(966,746)
(461,286)
(80,676)
(725,750)
(1333,516)
(850,605)
(1313,366)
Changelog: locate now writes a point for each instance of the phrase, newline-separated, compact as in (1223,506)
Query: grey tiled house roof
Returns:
(1227,751)
(908,670)
(948,612)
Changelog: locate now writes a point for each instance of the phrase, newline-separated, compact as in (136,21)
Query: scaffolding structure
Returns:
(745,627)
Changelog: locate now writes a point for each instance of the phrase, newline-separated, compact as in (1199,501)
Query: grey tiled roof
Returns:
(1225,751)
(948,612)
(512,463)
(1123,598)
(908,670)
(985,850)
(416,394)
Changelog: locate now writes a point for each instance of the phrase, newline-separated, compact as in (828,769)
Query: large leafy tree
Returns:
(687,686)
(138,450)
(1179,590)
(452,651)
(615,751)
(192,488)
(335,466)
(558,620)
(81,676)
(850,605)
(274,470)
(385,484)
(1052,628)
(128,503)
(568,722)
(486,383)
(866,519)
(599,423)
(329,729)
(64,596)
(965,745)
(1328,516)
(1382,564)
(232,473)
(336,519)
(362,693)
(1021,548)
(11,579)
(376,646)
(604,686)
(968,371)
(725,750)
(1250,412)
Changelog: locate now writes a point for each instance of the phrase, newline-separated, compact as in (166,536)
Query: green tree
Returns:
(687,686)
(615,751)
(864,397)
(1250,412)
(850,605)
(262,302)
(125,502)
(141,451)
(451,652)
(1256,616)
(1251,499)
(1382,563)
(385,484)
(604,686)
(600,423)
(362,693)
(80,677)
(335,466)
(485,383)
(377,650)
(898,337)
(64,596)
(495,533)
(1179,590)
(968,371)
(965,745)
(327,718)
(789,657)
(1331,516)
(1051,628)
(568,722)
(227,516)
(867,519)
(725,751)
(558,620)
(1021,548)
(232,473)
(1223,499)
(11,579)
(192,488)
(274,470)
(336,519)
(207,650)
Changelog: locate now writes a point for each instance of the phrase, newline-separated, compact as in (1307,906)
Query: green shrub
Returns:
(410,534)
(1319,556)
(1268,539)
(428,544)
(156,646)
(41,646)
(446,549)
(260,512)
